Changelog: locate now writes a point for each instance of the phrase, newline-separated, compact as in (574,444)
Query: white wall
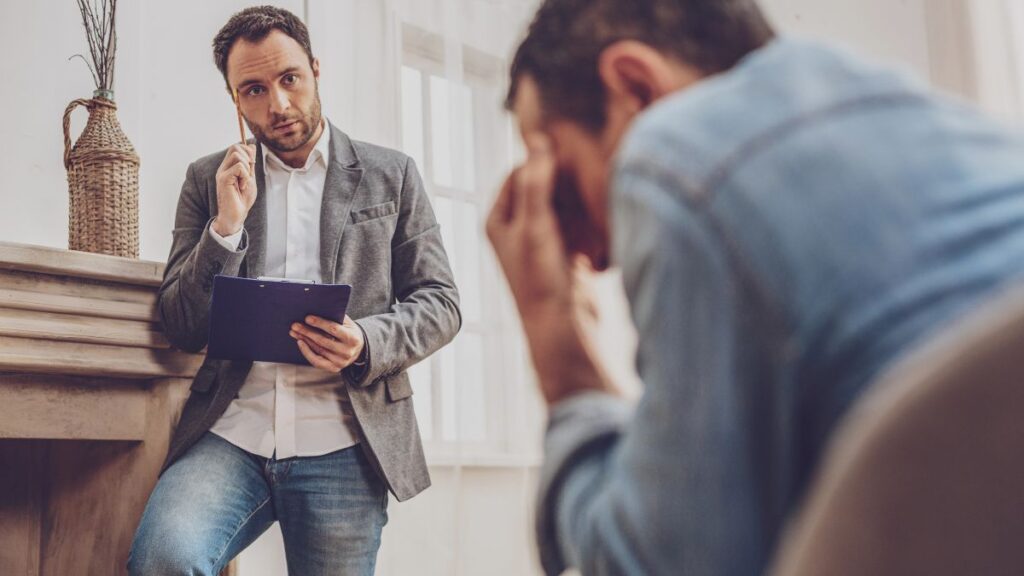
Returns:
(889,30)
(173,107)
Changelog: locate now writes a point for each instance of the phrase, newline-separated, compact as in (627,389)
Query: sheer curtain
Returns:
(428,77)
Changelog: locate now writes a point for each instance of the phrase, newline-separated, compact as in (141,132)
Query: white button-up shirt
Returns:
(283,408)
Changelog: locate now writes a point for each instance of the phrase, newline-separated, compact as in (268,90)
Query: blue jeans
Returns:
(217,499)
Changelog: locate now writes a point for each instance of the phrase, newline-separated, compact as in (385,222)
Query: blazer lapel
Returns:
(256,223)
(343,178)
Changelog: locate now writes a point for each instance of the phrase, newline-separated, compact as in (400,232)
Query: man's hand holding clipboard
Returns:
(328,345)
(284,321)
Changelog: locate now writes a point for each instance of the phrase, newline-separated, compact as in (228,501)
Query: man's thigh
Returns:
(206,508)
(332,510)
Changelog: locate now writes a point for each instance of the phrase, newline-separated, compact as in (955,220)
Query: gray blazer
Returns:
(377,233)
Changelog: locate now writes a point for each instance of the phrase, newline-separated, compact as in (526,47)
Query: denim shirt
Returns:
(785,230)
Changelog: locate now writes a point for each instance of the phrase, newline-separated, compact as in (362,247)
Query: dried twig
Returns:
(98,18)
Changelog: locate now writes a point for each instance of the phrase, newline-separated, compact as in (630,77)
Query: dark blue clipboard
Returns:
(250,318)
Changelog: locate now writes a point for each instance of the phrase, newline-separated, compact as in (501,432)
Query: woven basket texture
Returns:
(103,182)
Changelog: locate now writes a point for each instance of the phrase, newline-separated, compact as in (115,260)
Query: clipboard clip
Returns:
(292,280)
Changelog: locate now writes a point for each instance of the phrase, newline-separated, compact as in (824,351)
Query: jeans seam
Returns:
(238,529)
(283,474)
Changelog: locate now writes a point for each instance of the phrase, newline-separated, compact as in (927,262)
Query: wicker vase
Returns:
(103,182)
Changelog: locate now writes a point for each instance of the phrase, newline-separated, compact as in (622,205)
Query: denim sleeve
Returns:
(669,488)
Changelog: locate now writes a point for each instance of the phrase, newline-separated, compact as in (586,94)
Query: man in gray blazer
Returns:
(315,447)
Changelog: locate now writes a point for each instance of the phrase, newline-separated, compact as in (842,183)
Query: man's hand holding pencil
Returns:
(236,184)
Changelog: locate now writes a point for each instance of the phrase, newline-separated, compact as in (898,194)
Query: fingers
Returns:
(537,179)
(501,213)
(239,155)
(248,194)
(236,166)
(339,362)
(319,346)
(335,349)
(503,203)
(330,328)
(238,174)
(247,152)
(340,342)
(583,267)
(526,192)
(240,171)
(324,341)
(584,285)
(315,359)
(235,157)
(521,180)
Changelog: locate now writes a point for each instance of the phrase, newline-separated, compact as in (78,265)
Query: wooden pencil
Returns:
(238,109)
(241,126)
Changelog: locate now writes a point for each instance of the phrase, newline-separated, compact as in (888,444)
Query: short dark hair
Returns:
(254,24)
(563,44)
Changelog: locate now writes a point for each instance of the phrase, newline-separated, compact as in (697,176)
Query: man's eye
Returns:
(255,91)
(290,78)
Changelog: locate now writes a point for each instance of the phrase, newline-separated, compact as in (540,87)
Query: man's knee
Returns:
(168,555)
(164,561)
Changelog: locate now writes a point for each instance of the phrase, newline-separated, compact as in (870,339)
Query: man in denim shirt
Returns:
(789,222)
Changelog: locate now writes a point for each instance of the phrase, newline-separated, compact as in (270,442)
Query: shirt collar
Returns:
(320,152)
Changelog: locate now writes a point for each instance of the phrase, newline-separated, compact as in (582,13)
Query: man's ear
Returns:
(316,68)
(640,74)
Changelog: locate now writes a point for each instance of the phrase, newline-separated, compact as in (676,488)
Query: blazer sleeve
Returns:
(425,315)
(196,257)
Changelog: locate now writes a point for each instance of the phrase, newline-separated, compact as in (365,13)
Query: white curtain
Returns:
(360,41)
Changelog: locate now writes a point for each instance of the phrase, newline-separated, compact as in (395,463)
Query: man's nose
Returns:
(279,103)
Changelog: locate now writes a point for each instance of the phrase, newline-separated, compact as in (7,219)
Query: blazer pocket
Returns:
(373,212)
(399,388)
(205,378)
